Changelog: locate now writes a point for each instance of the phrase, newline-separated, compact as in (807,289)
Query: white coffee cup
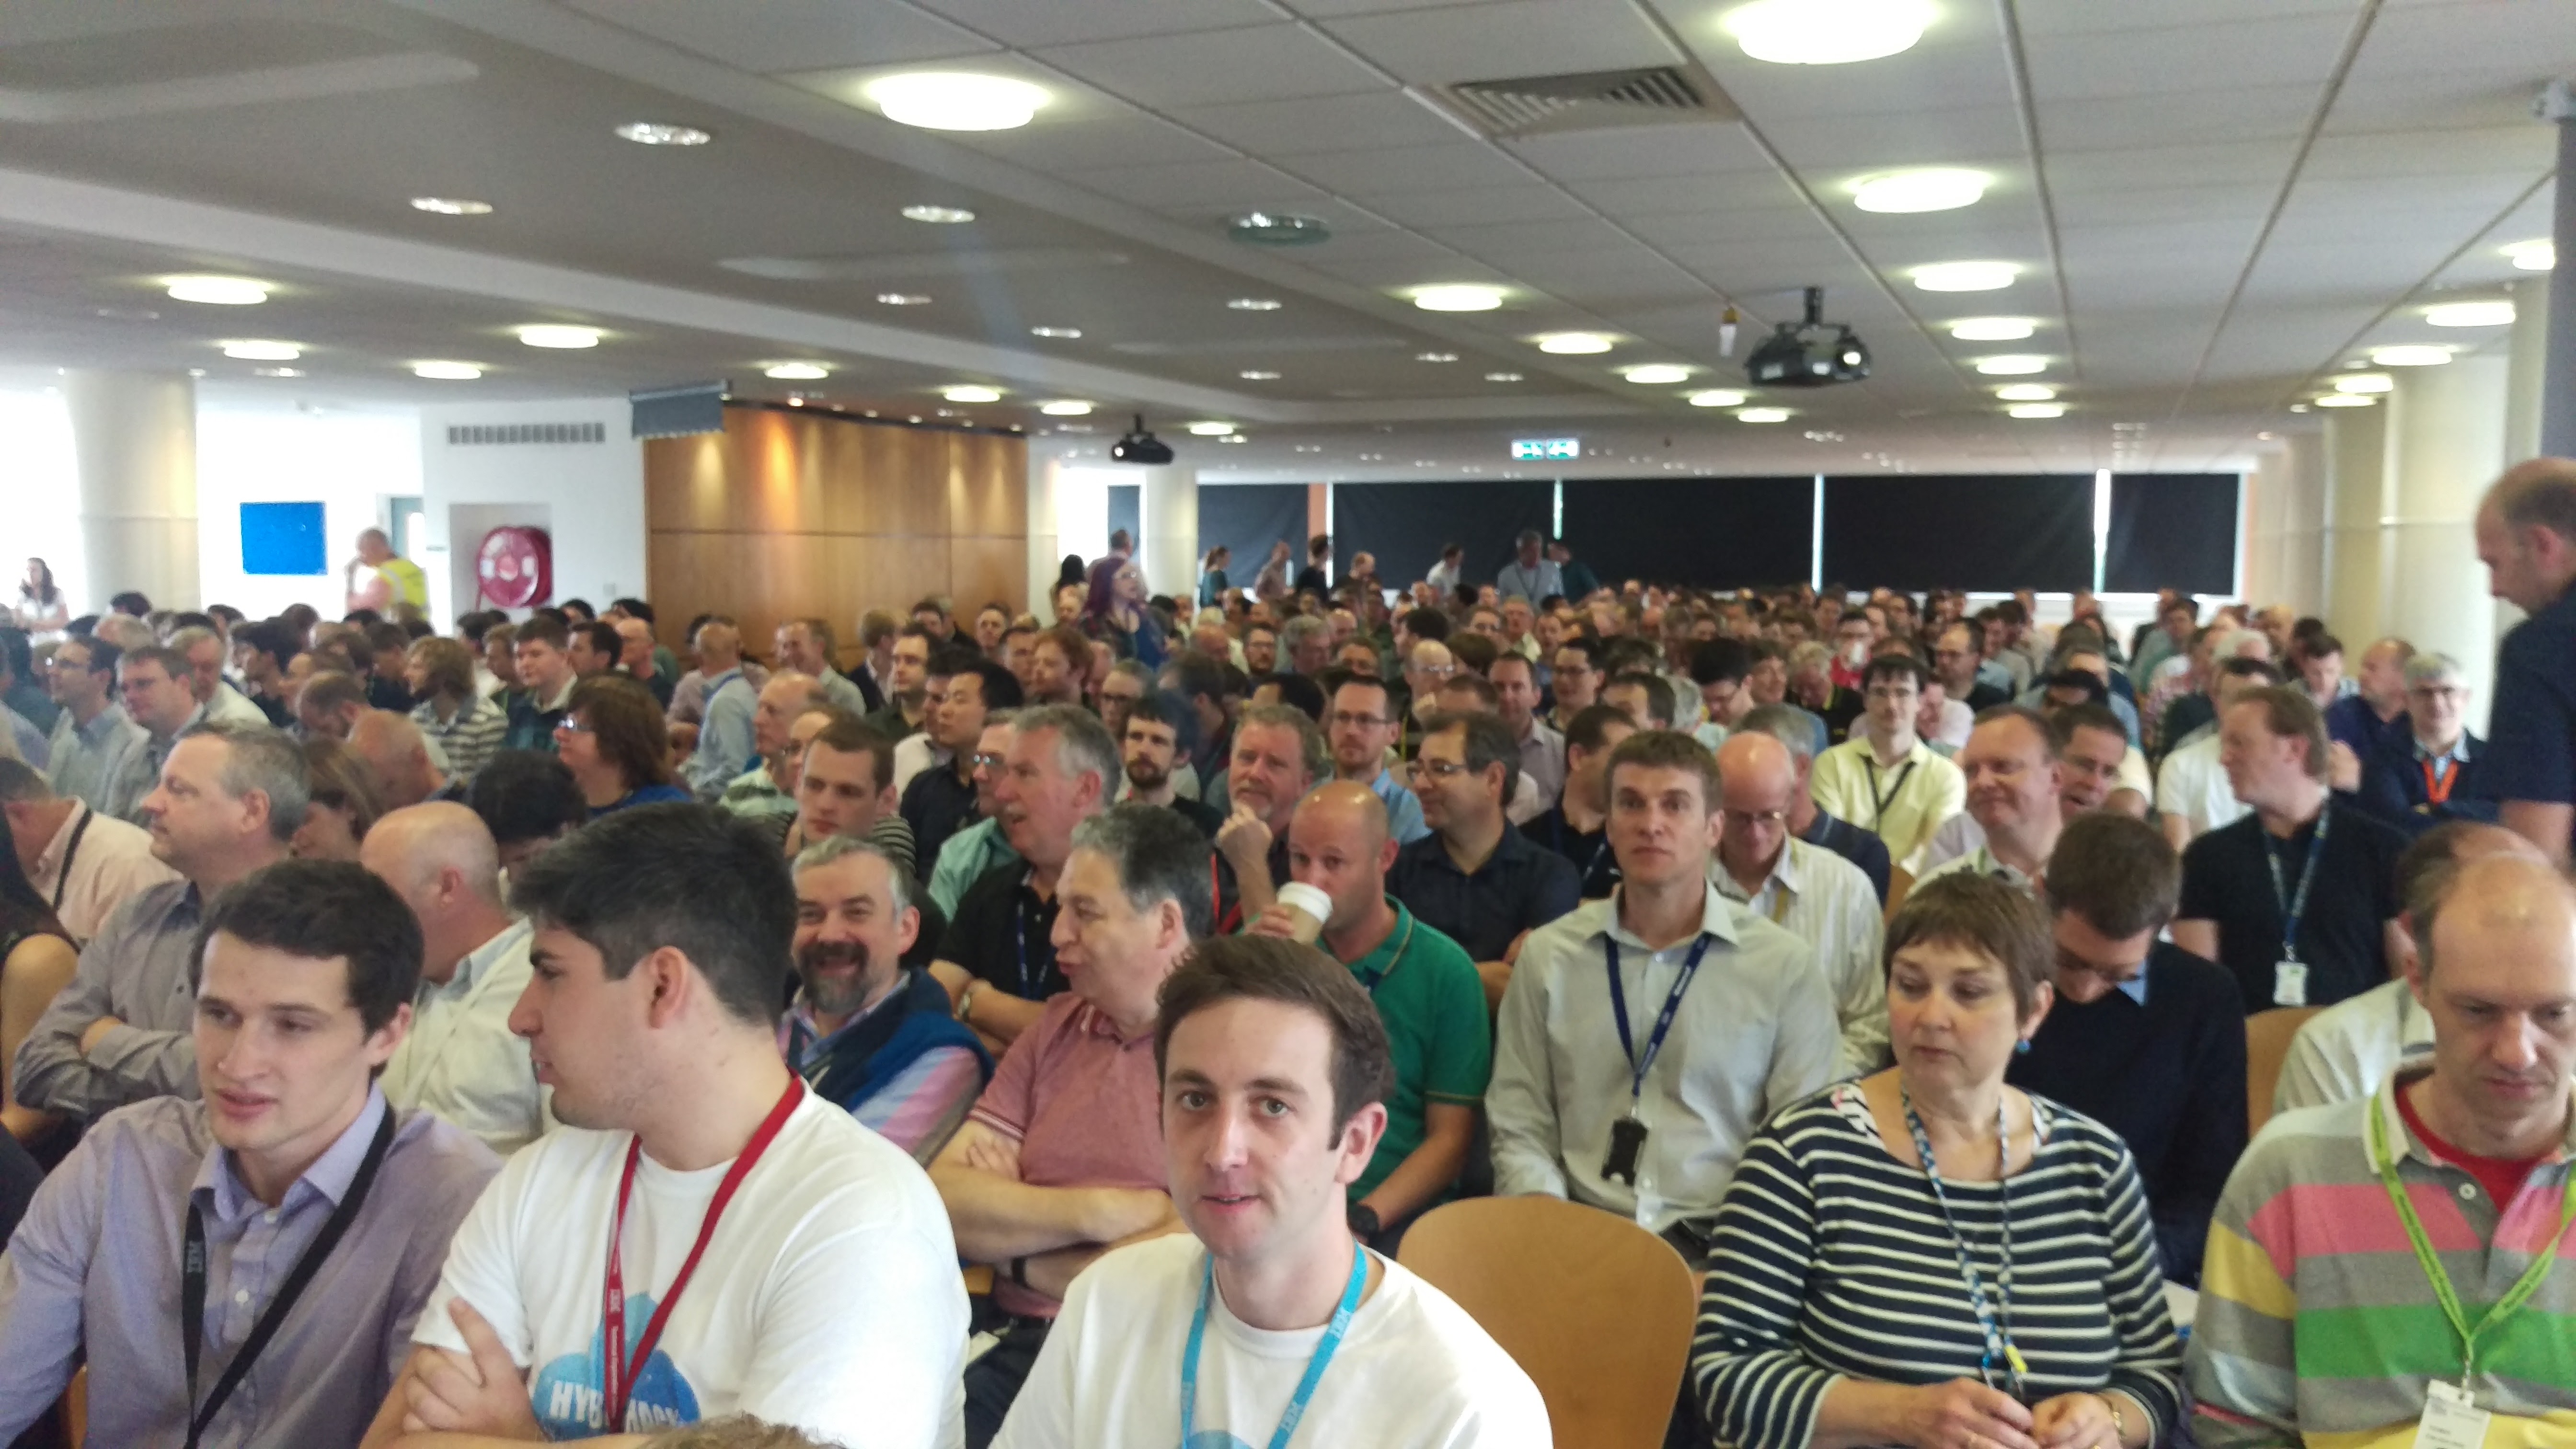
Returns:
(1312,908)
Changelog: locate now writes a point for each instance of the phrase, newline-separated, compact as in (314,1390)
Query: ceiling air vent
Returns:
(1535,105)
(488,435)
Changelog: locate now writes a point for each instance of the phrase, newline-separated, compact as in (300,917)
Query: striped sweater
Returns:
(2317,1326)
(1830,1261)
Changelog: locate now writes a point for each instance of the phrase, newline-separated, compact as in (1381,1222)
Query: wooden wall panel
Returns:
(784,515)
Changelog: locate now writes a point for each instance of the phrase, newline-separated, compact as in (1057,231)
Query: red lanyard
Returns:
(2437,788)
(616,1369)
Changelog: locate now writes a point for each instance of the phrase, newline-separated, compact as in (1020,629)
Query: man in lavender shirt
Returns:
(308,972)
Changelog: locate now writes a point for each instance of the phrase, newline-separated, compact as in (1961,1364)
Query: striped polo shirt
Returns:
(2318,1325)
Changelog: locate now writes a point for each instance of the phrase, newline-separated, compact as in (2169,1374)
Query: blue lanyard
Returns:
(1638,1067)
(1999,1344)
(2294,906)
(1314,1366)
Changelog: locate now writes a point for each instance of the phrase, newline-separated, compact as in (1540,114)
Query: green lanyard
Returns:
(2514,1297)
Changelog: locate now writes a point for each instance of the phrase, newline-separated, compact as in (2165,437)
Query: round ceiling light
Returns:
(956,100)
(1257,375)
(1572,344)
(1502,377)
(1066,407)
(2347,400)
(1934,188)
(796,371)
(1462,298)
(2366,382)
(2409,356)
(2470,314)
(1655,374)
(2036,410)
(218,291)
(2533,256)
(1992,329)
(2011,365)
(257,351)
(1762,415)
(1965,276)
(971,392)
(1827,32)
(1059,332)
(446,371)
(451,206)
(2027,392)
(1278,229)
(1435,357)
(657,133)
(1722,397)
(1254,304)
(902,299)
(567,338)
(1210,429)
(939,215)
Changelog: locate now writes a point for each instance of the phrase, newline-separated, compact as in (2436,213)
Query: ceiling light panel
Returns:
(662,133)
(1458,298)
(1722,397)
(1826,32)
(254,350)
(1066,407)
(956,100)
(1992,329)
(217,291)
(796,371)
(939,215)
(1762,415)
(2409,356)
(451,206)
(971,392)
(2027,392)
(559,337)
(2470,314)
(1656,374)
(1965,276)
(1572,344)
(1933,188)
(2011,365)
(446,371)
(2533,256)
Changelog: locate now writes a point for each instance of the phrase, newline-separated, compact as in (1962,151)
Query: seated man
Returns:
(1361,725)
(831,1299)
(461,1061)
(292,1159)
(1155,739)
(1884,779)
(980,848)
(1576,827)
(528,801)
(1426,989)
(83,863)
(767,788)
(1273,1070)
(1788,725)
(1474,878)
(2428,769)
(1278,755)
(2015,790)
(2145,1038)
(2316,1324)
(845,788)
(1062,1157)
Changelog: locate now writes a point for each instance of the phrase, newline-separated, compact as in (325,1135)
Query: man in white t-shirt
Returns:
(824,1290)
(2193,795)
(1275,1069)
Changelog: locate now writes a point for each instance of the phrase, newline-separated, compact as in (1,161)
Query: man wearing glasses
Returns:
(92,732)
(1884,779)
(1359,727)
(2428,772)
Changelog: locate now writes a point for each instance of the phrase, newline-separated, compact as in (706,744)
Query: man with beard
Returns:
(866,1031)
(1160,730)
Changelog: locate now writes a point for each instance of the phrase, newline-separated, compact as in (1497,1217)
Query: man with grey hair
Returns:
(85,864)
(2431,769)
(807,646)
(204,651)
(1305,645)
(865,1031)
(1795,728)
(228,801)
(1529,575)
(394,753)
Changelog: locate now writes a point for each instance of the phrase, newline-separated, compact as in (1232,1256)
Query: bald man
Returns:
(1427,989)
(767,790)
(396,757)
(726,746)
(1817,896)
(461,1061)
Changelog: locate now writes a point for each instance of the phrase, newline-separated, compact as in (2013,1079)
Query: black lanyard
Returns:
(192,1284)
(1637,1066)
(1020,929)
(1878,803)
(71,852)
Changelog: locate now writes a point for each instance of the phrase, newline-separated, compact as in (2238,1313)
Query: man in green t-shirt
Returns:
(1426,989)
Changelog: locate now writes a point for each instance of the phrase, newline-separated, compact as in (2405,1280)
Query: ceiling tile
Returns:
(1198,184)
(1063,22)
(1403,169)
(1212,67)
(2078,208)
(783,35)
(2116,123)
(1528,201)
(2386,104)
(2525,150)
(1726,226)
(1321,123)
(1930,77)
(1506,239)
(1715,148)
(1121,141)
(1506,39)
(2243,54)
(1878,141)
(2207,163)
(1667,196)
(2535,37)
(2091,17)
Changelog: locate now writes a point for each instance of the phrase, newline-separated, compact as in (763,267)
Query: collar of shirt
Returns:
(2458,752)
(1093,1021)
(2135,988)
(2404,1075)
(1717,917)
(477,963)
(100,726)
(818,1041)
(1511,846)
(329,1176)
(1788,874)
(563,698)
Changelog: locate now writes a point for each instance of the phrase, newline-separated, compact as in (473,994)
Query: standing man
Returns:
(382,580)
(1443,576)
(1361,727)
(1577,827)
(82,863)
(1579,581)
(154,684)
(546,678)
(1476,879)
(726,743)
(1814,894)
(1620,1079)
(1528,576)
(1885,779)
(92,733)
(2526,530)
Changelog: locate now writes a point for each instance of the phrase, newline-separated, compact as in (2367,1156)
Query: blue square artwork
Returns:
(282,538)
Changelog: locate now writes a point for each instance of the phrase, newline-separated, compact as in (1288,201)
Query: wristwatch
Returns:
(966,1000)
(1363,1221)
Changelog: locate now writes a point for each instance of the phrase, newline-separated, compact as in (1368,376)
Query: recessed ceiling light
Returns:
(278,371)
(1055,332)
(256,351)
(1827,32)
(446,371)
(1657,374)
(1466,298)
(1933,188)
(657,133)
(1254,304)
(1502,377)
(2347,400)
(2409,356)
(796,371)
(902,299)
(1210,429)
(1721,397)
(126,314)
(1572,343)
(2027,392)
(2037,410)
(2011,365)
(2470,314)
(1256,375)
(2533,256)
(1762,415)
(1992,329)
(1435,357)
(2366,382)
(218,291)
(971,392)
(1965,276)
(1278,229)
(956,100)
(939,215)
(451,206)
(1066,407)
(2298,407)
(567,338)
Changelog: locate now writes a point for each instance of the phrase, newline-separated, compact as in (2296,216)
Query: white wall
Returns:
(40,494)
(589,497)
(350,463)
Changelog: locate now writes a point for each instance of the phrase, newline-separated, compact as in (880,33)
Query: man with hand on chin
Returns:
(292,1158)
(1274,1072)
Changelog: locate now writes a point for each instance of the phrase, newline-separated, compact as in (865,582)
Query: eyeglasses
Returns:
(984,761)
(1432,671)
(570,726)
(1439,769)
(1765,819)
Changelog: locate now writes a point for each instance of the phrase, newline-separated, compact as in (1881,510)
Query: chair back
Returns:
(1595,1309)
(2267,1045)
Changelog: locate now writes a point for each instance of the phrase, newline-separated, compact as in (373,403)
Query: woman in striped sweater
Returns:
(2012,1301)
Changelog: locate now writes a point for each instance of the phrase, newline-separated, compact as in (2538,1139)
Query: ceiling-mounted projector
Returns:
(1140,446)
(1812,353)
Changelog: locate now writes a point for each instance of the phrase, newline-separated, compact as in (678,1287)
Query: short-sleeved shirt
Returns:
(1086,1109)
(2340,935)
(1004,934)
(2531,745)
(1433,1002)
(1520,887)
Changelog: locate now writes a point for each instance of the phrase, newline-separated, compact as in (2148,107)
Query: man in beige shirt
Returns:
(83,863)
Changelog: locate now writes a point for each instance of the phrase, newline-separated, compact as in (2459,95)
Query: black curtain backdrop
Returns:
(1248,518)
(1710,532)
(2172,531)
(1922,531)
(1406,524)
(1127,509)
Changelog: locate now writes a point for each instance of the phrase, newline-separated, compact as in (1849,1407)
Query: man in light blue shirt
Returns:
(1528,576)
(92,732)
(727,744)
(1360,724)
